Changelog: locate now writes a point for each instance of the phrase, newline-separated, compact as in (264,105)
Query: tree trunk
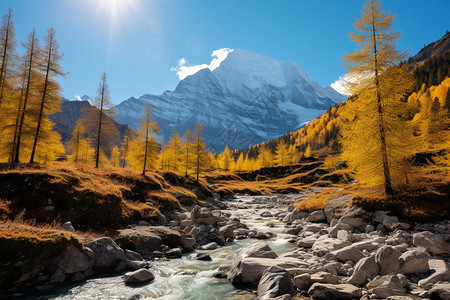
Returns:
(4,61)
(27,92)
(97,153)
(387,175)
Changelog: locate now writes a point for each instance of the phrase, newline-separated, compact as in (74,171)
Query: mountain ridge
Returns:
(248,99)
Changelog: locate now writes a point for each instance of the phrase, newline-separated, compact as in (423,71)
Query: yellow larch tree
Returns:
(282,154)
(201,156)
(7,58)
(29,76)
(49,100)
(144,149)
(115,157)
(125,147)
(188,149)
(376,138)
(265,158)
(239,165)
(308,151)
(175,152)
(74,144)
(226,160)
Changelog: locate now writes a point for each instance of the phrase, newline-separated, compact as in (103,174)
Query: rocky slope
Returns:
(248,99)
(433,49)
(66,120)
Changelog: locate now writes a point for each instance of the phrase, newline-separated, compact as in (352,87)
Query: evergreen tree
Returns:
(373,144)
(125,147)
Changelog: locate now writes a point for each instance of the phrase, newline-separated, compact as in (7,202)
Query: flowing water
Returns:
(188,278)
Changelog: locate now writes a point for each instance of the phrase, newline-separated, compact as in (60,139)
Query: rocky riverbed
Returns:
(258,246)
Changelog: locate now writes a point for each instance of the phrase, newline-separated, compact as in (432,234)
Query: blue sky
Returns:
(137,42)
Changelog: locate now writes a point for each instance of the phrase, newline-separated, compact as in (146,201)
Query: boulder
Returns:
(275,282)
(440,291)
(131,255)
(365,269)
(323,291)
(67,226)
(227,231)
(306,242)
(249,270)
(387,258)
(345,236)
(203,256)
(329,244)
(348,253)
(261,235)
(210,246)
(316,216)
(75,260)
(174,253)
(139,239)
(266,214)
(260,249)
(352,221)
(106,252)
(385,286)
(414,261)
(140,276)
(432,242)
(383,218)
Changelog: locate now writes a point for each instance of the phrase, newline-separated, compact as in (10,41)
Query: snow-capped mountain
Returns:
(248,99)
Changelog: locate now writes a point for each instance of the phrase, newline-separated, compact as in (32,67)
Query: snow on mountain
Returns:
(248,99)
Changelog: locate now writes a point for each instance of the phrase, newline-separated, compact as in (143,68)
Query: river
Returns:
(189,278)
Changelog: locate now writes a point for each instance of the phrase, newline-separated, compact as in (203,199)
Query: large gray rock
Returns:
(323,291)
(352,221)
(72,261)
(440,291)
(329,244)
(67,226)
(385,286)
(387,258)
(432,242)
(248,270)
(209,246)
(365,269)
(260,249)
(106,252)
(316,216)
(304,281)
(414,261)
(227,231)
(348,253)
(383,218)
(75,260)
(275,282)
(139,277)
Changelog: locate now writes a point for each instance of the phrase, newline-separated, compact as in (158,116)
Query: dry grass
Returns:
(319,201)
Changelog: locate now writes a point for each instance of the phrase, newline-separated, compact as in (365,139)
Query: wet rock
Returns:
(227,231)
(174,253)
(387,258)
(138,277)
(385,286)
(414,261)
(324,291)
(365,269)
(106,252)
(275,282)
(432,242)
(139,239)
(261,236)
(203,256)
(210,246)
(266,214)
(316,216)
(131,255)
(248,270)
